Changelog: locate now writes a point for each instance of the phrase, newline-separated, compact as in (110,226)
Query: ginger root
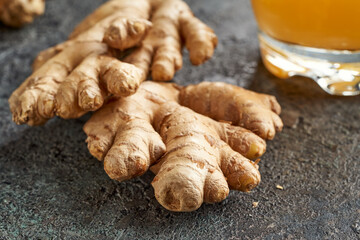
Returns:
(16,13)
(195,159)
(77,76)
(220,101)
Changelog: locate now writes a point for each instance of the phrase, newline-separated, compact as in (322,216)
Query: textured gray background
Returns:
(50,186)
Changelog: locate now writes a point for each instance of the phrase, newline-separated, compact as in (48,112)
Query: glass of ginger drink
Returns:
(319,39)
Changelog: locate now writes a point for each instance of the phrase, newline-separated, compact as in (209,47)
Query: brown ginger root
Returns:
(16,13)
(254,111)
(76,76)
(199,166)
(172,20)
(200,158)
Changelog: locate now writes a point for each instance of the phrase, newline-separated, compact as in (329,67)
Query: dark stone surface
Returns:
(50,186)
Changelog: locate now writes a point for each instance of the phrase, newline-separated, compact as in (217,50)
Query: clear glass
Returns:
(319,39)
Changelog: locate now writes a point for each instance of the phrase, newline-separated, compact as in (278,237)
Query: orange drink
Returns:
(315,38)
(331,24)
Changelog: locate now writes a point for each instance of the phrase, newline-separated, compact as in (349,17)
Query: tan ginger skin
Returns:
(16,13)
(76,76)
(195,158)
(239,106)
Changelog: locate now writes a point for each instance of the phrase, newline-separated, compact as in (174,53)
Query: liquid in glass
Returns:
(319,39)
